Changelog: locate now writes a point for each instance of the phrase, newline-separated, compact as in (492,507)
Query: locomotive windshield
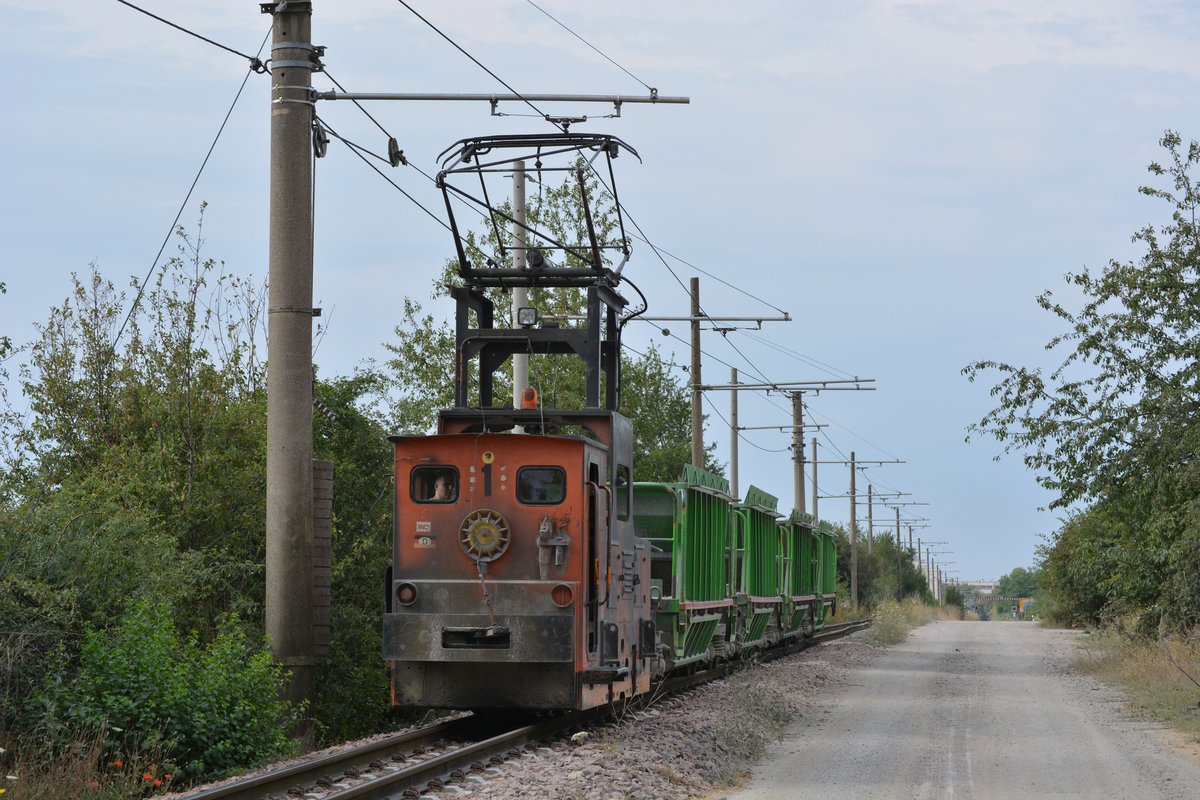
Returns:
(541,485)
(434,484)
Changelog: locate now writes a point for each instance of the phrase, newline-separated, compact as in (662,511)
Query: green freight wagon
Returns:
(827,578)
(802,569)
(689,526)
(758,561)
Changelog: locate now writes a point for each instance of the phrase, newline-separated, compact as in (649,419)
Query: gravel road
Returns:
(976,710)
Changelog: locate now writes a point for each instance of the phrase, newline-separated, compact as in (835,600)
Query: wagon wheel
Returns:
(484,535)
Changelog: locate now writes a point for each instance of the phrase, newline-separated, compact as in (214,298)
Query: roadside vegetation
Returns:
(1111,429)
(1161,680)
(895,620)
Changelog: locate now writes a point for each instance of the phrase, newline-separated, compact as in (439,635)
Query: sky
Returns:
(903,178)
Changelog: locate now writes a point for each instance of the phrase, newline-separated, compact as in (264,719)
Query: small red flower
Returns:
(146,776)
(157,782)
(118,763)
(168,776)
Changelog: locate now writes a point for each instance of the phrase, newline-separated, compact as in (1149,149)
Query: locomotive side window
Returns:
(434,484)
(541,485)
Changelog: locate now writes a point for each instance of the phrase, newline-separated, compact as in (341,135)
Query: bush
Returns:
(353,698)
(209,709)
(894,621)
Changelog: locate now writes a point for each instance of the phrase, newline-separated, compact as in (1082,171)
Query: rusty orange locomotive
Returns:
(522,574)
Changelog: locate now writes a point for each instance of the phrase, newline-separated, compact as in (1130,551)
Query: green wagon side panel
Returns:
(689,525)
(828,559)
(804,561)
(760,544)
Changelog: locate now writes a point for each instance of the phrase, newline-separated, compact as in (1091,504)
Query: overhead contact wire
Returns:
(652,90)
(361,107)
(741,436)
(166,239)
(720,280)
(478,63)
(255,63)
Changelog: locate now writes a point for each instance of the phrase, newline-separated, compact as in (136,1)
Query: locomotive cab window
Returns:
(434,484)
(541,485)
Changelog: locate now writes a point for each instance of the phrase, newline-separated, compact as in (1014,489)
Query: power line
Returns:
(361,107)
(860,437)
(717,411)
(112,348)
(722,281)
(801,357)
(653,91)
(255,63)
(478,63)
(363,152)
(745,358)
(142,289)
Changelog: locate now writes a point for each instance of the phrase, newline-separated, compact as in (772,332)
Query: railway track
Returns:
(459,750)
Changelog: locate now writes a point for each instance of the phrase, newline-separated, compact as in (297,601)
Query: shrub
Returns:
(894,620)
(208,708)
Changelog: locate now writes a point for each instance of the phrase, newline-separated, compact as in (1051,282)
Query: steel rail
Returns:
(435,772)
(308,771)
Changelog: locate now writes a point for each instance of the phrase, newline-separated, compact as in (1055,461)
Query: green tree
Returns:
(1129,384)
(1112,429)
(352,699)
(1020,582)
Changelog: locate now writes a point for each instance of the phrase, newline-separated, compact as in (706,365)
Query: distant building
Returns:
(983,587)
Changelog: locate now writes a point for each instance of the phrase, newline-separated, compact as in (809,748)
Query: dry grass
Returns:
(1159,679)
(894,621)
(954,613)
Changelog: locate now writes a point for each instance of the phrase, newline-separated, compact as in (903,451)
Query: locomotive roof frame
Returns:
(464,158)
(597,343)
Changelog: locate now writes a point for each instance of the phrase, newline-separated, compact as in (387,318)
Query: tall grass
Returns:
(1159,679)
(894,620)
(81,770)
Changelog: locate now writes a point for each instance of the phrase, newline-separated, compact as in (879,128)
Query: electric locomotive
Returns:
(518,580)
(522,584)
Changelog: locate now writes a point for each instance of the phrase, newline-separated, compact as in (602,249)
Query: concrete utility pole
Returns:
(870,517)
(289,556)
(798,449)
(520,294)
(853,538)
(814,479)
(697,411)
(733,434)
(899,574)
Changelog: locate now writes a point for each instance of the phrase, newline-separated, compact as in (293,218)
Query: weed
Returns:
(1158,678)
(894,620)
(82,770)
